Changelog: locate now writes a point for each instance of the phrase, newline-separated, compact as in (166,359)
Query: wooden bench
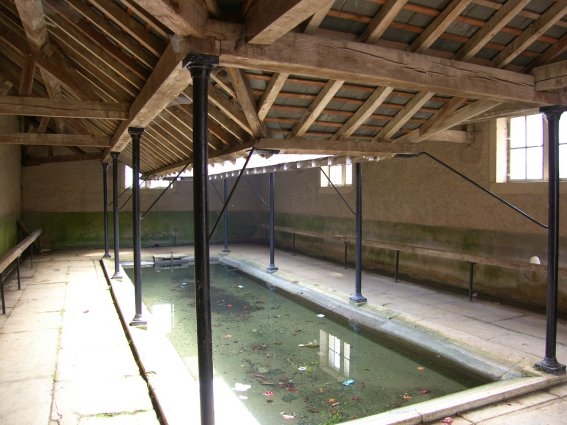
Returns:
(12,255)
(471,259)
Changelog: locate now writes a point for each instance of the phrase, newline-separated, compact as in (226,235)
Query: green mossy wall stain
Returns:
(8,233)
(167,228)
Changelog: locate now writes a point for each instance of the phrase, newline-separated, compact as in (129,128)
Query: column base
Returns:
(117,275)
(138,320)
(357,299)
(271,268)
(550,366)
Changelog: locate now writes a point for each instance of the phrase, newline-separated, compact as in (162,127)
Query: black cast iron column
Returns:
(225,233)
(201,67)
(272,267)
(549,363)
(116,211)
(357,297)
(136,134)
(105,200)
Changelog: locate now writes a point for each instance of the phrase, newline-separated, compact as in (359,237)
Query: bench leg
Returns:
(18,272)
(471,281)
(397,266)
(2,292)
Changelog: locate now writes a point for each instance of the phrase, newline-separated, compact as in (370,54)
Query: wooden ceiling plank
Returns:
(90,21)
(439,25)
(43,107)
(364,112)
(102,53)
(187,17)
(318,105)
(164,85)
(403,116)
(271,93)
(554,14)
(371,64)
(268,20)
(54,139)
(217,78)
(131,26)
(380,23)
(247,101)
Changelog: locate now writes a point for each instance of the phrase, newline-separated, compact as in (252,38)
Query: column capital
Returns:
(553,110)
(114,154)
(194,61)
(135,131)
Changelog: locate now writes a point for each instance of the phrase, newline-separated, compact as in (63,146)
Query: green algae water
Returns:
(287,361)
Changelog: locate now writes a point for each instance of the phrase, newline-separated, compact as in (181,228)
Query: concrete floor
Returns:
(65,358)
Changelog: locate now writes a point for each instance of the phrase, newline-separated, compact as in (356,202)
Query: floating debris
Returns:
(310,344)
(420,368)
(241,286)
(424,390)
(406,396)
(268,393)
(287,416)
(241,387)
(302,368)
(348,382)
(321,315)
(447,420)
(332,402)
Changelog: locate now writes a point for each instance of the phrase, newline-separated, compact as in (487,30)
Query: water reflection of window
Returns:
(162,318)
(335,354)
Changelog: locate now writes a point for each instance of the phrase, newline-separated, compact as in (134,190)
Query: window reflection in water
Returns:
(335,355)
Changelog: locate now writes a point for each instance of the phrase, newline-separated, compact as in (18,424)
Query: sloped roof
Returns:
(344,77)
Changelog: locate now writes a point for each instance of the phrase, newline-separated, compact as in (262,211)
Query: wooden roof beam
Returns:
(70,108)
(551,77)
(38,139)
(186,17)
(269,20)
(163,86)
(381,66)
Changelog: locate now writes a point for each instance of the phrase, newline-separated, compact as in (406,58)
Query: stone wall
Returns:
(10,184)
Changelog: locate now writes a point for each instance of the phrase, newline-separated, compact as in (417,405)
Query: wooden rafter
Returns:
(246,100)
(316,108)
(382,21)
(404,115)
(370,105)
(271,93)
(527,38)
(498,21)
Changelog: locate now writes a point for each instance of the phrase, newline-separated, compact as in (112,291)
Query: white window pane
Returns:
(517,164)
(324,180)
(517,132)
(563,129)
(336,174)
(534,130)
(534,163)
(563,161)
(348,174)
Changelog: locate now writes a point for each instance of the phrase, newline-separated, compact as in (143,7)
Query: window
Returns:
(522,149)
(338,174)
(147,184)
